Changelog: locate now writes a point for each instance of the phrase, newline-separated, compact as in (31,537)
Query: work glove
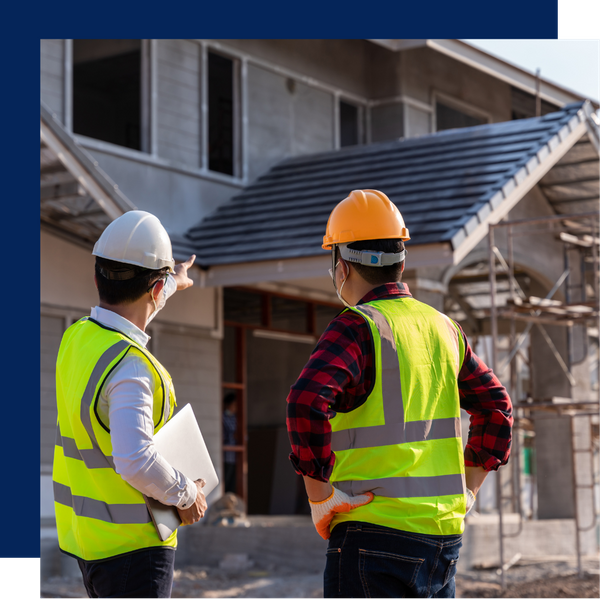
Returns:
(324,511)
(470,501)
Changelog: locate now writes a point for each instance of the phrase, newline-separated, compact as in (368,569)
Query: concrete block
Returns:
(282,541)
(532,540)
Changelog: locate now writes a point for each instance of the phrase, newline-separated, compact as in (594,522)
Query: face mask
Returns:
(157,307)
(338,292)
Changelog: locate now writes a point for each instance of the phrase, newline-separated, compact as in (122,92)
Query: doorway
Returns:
(268,340)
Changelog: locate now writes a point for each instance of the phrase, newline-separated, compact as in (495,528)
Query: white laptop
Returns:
(181,443)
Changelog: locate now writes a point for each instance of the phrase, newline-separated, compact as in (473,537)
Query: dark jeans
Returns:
(369,561)
(144,574)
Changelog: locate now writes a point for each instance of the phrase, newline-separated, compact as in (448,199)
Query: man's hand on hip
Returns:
(196,511)
(338,502)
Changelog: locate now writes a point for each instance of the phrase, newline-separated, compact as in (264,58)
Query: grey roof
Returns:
(445,185)
(77,199)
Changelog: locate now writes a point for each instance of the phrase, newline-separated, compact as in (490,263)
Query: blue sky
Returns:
(573,64)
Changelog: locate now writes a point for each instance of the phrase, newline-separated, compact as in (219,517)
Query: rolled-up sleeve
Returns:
(487,402)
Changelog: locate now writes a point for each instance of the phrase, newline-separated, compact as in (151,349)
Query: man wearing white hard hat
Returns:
(112,397)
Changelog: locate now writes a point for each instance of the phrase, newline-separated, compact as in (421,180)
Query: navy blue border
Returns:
(533,19)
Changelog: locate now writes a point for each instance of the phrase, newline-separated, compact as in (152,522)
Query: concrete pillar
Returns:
(429,291)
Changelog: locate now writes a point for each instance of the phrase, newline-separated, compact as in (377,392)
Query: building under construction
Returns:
(242,148)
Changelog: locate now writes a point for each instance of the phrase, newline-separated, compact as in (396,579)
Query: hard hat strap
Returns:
(370,258)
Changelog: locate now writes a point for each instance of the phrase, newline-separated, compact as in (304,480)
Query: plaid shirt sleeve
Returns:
(487,401)
(334,379)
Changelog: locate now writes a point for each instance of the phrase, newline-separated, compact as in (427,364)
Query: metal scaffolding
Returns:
(579,235)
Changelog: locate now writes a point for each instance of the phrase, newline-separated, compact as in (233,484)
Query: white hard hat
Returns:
(136,238)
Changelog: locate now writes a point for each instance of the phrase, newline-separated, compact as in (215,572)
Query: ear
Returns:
(402,268)
(95,281)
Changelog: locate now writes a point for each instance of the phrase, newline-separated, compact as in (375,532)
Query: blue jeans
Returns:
(146,573)
(370,561)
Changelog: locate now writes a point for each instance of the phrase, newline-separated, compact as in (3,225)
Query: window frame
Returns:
(361,112)
(147,108)
(238,76)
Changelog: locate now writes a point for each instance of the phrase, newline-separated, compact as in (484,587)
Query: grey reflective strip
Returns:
(453,333)
(385,435)
(91,458)
(95,455)
(434,429)
(391,388)
(406,487)
(120,514)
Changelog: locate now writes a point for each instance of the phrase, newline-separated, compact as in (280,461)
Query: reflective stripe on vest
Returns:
(414,466)
(120,514)
(98,514)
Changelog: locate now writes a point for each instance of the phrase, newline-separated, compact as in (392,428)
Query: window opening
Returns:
(349,129)
(220,114)
(451,118)
(107,91)
(523,105)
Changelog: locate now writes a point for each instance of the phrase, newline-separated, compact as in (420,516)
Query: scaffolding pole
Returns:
(540,312)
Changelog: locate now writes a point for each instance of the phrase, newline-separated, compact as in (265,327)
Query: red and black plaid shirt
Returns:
(339,376)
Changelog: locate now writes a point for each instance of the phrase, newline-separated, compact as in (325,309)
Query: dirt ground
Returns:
(532,579)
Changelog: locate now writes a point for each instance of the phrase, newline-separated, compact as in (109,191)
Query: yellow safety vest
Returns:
(404,442)
(98,514)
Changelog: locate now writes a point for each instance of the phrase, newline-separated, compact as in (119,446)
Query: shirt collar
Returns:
(386,291)
(115,321)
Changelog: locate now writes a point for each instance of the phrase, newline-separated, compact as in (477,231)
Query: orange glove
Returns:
(324,511)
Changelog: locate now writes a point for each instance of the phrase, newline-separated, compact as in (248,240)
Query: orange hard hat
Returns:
(364,215)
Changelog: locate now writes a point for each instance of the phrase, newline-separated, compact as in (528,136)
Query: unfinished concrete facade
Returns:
(249,326)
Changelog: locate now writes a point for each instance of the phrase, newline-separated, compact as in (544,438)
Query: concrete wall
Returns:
(67,280)
(178,100)
(426,72)
(342,64)
(52,75)
(285,118)
(179,198)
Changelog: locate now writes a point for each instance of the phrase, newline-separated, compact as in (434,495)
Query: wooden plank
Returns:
(62,190)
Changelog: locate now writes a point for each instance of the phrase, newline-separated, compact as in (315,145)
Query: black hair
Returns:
(379,275)
(125,291)
(230,398)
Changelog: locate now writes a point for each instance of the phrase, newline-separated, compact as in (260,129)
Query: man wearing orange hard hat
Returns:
(374,419)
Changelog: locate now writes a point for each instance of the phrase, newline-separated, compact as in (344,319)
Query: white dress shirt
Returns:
(125,404)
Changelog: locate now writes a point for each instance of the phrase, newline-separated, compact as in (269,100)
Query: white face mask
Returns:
(339,292)
(161,302)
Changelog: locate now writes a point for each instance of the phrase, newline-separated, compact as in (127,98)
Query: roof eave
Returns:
(503,201)
(97,183)
(424,255)
(492,65)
